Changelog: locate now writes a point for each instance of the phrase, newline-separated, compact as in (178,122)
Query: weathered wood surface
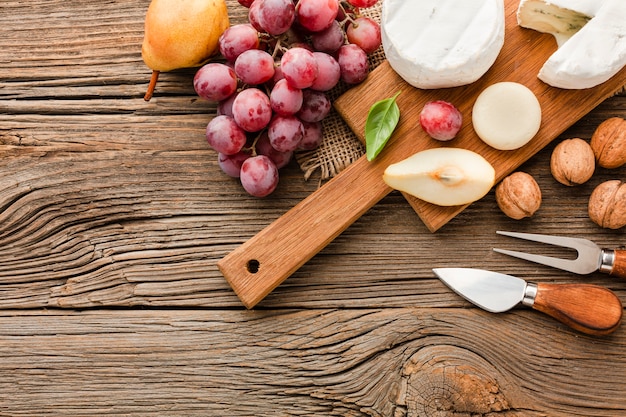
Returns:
(313,362)
(113,215)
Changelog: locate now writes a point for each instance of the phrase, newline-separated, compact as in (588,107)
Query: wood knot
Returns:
(446,380)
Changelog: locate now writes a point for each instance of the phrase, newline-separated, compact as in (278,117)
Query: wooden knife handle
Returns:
(619,263)
(258,266)
(588,308)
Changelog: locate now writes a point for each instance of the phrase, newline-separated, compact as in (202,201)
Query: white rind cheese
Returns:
(587,56)
(442,43)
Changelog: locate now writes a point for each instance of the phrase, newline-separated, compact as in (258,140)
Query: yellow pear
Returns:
(181,34)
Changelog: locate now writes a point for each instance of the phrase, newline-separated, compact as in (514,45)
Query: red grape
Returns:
(276,16)
(231,164)
(245,3)
(285,133)
(365,33)
(278,74)
(254,67)
(225,136)
(329,40)
(299,67)
(251,109)
(264,147)
(441,120)
(259,176)
(237,39)
(329,72)
(317,15)
(215,82)
(313,136)
(315,106)
(225,107)
(353,63)
(285,99)
(254,16)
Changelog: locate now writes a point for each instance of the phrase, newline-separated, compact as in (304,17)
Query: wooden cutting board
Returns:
(520,60)
(258,266)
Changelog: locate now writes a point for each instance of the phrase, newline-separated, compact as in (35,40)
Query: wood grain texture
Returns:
(114,214)
(522,56)
(371,362)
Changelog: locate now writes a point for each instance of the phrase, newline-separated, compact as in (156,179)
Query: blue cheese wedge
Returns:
(560,18)
(589,53)
(442,43)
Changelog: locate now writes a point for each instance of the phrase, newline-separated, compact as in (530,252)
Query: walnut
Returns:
(518,195)
(572,162)
(607,205)
(609,143)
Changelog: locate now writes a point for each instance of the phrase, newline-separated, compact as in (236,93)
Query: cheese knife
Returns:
(588,308)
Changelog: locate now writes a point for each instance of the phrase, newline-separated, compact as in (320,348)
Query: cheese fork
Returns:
(590,257)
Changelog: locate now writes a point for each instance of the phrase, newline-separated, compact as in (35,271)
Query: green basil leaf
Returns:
(382,120)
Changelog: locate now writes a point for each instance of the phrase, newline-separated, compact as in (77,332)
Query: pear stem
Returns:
(153,80)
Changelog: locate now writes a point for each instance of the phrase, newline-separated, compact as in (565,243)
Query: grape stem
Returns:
(153,80)
(350,13)
(278,48)
(252,147)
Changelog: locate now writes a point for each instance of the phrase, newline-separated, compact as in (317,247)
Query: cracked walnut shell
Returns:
(518,195)
(609,143)
(572,162)
(607,205)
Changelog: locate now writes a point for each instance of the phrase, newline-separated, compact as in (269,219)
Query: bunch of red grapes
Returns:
(272,91)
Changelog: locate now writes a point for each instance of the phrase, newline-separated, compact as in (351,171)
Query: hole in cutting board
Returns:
(253,266)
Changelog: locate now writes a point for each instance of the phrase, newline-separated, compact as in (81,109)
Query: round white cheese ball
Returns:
(506,115)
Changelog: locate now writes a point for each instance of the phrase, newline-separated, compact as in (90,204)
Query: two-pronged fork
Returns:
(590,258)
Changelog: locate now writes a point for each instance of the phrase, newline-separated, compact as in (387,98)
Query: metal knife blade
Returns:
(588,308)
(492,291)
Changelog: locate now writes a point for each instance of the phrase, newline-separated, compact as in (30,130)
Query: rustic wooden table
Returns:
(114,213)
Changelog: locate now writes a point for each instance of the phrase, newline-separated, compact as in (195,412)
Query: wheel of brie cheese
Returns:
(591,35)
(442,43)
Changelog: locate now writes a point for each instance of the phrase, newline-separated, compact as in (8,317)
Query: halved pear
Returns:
(442,176)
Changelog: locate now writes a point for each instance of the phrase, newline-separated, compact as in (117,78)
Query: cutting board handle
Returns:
(262,263)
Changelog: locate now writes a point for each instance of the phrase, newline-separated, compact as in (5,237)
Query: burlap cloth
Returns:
(341,146)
